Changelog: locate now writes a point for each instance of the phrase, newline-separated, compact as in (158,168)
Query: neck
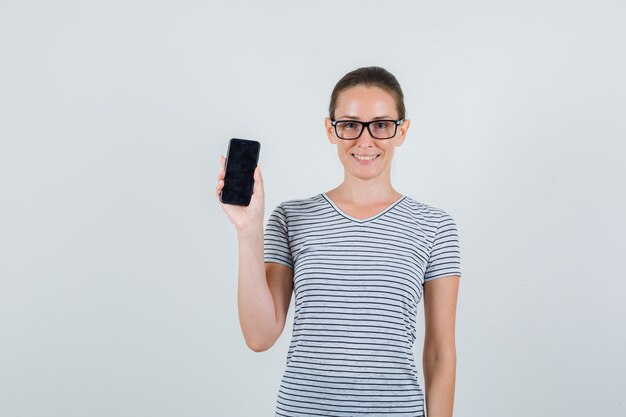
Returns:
(365,191)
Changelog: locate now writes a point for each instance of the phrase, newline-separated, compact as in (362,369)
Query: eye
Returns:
(349,125)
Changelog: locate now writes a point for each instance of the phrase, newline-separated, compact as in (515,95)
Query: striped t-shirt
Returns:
(357,284)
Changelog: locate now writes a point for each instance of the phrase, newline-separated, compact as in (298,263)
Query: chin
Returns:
(364,172)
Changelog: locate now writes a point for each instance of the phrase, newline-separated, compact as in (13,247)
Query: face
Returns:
(364,104)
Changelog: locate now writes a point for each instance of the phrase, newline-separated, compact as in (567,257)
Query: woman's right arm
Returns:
(264,289)
(264,293)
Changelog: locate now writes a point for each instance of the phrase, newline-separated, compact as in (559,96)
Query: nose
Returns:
(366,139)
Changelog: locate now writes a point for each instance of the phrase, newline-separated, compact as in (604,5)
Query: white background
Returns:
(118,266)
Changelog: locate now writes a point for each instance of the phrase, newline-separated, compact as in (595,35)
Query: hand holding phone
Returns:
(240,184)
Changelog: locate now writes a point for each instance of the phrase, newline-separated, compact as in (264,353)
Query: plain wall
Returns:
(118,267)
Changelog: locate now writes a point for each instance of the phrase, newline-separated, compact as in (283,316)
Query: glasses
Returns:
(379,129)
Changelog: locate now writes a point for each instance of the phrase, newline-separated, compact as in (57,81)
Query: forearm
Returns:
(257,312)
(439,379)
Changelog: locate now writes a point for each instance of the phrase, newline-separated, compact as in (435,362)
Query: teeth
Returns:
(364,158)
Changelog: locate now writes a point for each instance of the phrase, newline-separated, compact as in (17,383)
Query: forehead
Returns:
(365,102)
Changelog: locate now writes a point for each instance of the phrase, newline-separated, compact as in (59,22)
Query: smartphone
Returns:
(241,161)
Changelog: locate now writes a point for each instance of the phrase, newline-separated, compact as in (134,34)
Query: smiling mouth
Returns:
(365,158)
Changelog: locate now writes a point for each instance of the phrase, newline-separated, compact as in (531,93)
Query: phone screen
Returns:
(241,160)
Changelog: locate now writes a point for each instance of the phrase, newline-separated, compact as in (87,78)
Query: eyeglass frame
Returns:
(367,125)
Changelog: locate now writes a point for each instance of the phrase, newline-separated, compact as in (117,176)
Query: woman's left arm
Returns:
(439,359)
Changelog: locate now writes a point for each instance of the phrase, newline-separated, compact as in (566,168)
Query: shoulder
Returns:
(423,209)
(426,214)
(304,205)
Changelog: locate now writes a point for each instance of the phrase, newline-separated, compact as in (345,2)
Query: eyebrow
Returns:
(347,116)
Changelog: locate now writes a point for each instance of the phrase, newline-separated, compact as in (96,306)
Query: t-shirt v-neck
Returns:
(370,218)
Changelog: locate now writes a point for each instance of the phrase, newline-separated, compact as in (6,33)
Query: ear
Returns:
(402,130)
(330,131)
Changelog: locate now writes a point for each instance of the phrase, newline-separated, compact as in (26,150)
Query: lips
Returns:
(365,158)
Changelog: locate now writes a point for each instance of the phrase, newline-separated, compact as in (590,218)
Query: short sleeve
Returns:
(445,256)
(276,238)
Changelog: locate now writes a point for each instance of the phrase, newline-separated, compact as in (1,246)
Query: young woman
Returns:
(359,259)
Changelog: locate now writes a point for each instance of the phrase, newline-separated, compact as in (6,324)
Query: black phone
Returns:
(242,158)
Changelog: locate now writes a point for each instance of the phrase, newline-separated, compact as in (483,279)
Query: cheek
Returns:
(343,148)
(388,148)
